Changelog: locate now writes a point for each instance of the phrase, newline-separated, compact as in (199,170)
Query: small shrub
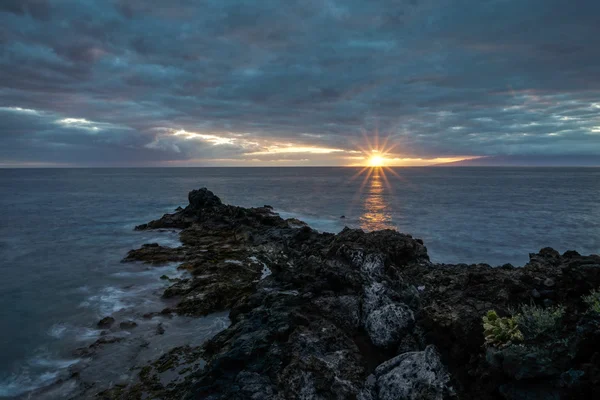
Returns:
(593,301)
(500,331)
(535,322)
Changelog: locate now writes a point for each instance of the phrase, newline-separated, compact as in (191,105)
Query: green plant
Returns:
(500,331)
(593,301)
(535,322)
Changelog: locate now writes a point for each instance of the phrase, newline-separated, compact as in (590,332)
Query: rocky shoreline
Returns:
(366,316)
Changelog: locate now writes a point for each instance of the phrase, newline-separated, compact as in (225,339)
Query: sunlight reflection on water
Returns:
(377,213)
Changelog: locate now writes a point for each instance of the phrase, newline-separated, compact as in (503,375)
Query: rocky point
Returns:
(359,315)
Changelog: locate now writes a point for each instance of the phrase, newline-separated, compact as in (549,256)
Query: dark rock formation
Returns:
(127,325)
(359,315)
(106,322)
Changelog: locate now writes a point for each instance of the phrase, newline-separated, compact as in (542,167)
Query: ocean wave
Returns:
(152,272)
(110,300)
(17,384)
(39,371)
(57,331)
(113,299)
(55,364)
(322,224)
(63,330)
(165,240)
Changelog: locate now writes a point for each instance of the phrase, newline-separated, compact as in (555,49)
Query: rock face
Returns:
(359,315)
(412,376)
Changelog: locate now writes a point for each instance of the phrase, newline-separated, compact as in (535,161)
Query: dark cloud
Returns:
(39,9)
(441,78)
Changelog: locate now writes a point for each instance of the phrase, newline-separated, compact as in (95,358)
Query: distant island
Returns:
(359,315)
(527,161)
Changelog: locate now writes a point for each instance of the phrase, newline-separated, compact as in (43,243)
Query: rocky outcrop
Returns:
(106,322)
(360,315)
(412,376)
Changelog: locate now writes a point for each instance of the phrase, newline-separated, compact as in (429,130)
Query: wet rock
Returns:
(155,254)
(160,329)
(128,325)
(105,323)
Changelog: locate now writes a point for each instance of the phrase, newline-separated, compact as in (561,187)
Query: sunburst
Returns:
(377,159)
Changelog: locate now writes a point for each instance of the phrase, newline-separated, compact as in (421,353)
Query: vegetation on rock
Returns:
(593,301)
(500,331)
(538,322)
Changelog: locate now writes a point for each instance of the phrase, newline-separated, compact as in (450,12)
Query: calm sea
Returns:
(64,231)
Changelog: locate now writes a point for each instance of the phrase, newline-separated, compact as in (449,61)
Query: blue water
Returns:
(64,231)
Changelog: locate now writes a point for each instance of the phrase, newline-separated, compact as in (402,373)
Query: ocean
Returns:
(63,233)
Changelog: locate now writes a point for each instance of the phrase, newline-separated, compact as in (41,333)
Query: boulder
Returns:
(387,325)
(418,375)
(106,322)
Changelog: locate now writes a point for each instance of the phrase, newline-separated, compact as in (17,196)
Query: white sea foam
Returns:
(57,331)
(78,333)
(108,301)
(112,299)
(17,384)
(39,371)
(165,240)
(151,272)
(55,364)
(322,224)
(85,334)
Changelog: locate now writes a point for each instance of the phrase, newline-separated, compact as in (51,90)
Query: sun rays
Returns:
(376,161)
(375,186)
(376,156)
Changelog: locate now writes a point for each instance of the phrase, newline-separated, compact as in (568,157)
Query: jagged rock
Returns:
(155,254)
(343,310)
(528,362)
(106,322)
(338,308)
(416,375)
(203,198)
(388,324)
(128,324)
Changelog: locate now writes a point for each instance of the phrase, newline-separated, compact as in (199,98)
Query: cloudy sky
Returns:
(306,82)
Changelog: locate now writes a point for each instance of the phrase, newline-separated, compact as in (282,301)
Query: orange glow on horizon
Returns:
(376,161)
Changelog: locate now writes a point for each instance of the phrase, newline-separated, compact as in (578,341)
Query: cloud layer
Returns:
(233,82)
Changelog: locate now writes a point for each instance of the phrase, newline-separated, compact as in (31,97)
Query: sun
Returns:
(376,161)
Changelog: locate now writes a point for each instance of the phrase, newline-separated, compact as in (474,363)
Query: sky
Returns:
(294,83)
